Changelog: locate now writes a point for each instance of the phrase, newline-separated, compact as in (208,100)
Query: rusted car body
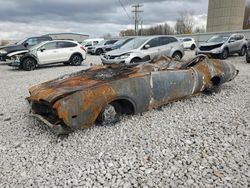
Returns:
(77,100)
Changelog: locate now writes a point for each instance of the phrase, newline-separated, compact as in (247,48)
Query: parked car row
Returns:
(34,52)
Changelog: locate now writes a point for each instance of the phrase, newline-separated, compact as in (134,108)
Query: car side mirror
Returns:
(146,46)
(42,49)
(231,40)
(26,44)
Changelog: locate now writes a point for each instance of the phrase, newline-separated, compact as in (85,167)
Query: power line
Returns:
(124,9)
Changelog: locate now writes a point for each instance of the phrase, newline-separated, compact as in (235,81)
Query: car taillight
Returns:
(82,47)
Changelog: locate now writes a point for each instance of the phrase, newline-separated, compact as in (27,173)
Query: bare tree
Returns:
(4,42)
(185,23)
(107,36)
(160,29)
(127,32)
(200,29)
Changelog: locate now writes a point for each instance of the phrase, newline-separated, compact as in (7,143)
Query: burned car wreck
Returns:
(102,93)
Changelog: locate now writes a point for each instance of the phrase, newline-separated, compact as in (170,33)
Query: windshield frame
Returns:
(21,41)
(130,45)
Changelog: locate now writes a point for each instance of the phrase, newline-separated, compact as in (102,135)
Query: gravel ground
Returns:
(203,141)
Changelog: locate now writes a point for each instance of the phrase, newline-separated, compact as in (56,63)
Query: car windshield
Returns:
(134,43)
(21,41)
(218,38)
(86,42)
(120,42)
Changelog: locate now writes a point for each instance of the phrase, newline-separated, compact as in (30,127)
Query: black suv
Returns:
(21,45)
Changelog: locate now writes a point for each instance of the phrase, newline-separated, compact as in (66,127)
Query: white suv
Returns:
(49,52)
(188,43)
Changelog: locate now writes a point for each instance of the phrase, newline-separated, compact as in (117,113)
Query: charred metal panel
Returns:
(172,85)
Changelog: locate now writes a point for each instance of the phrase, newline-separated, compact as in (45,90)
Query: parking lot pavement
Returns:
(202,141)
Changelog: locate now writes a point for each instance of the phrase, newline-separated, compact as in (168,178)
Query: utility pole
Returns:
(137,12)
(141,27)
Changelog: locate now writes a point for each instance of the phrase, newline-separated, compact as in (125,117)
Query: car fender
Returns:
(27,55)
(76,53)
(176,48)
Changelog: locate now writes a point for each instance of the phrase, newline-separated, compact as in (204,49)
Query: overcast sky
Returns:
(22,18)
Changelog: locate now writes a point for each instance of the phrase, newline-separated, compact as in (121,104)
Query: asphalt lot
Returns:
(203,141)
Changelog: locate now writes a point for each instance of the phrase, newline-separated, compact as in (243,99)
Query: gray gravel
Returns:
(203,141)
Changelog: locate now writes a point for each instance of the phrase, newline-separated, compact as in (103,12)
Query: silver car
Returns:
(141,47)
(101,46)
(223,45)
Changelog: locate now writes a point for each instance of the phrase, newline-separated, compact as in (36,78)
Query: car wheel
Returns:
(108,115)
(135,60)
(247,58)
(243,51)
(224,54)
(29,64)
(76,60)
(99,51)
(177,56)
(192,47)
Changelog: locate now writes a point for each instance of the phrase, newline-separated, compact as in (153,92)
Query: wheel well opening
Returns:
(179,52)
(123,106)
(216,81)
(28,58)
(77,53)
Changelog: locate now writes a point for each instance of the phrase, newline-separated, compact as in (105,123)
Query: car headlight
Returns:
(216,50)
(3,51)
(124,56)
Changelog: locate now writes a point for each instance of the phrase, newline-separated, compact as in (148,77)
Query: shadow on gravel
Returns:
(3,63)
(14,69)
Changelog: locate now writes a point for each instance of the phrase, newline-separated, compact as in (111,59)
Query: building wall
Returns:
(225,15)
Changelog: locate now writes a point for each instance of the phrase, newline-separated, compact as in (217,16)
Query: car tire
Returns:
(192,47)
(109,115)
(99,51)
(224,54)
(243,51)
(135,60)
(177,56)
(247,58)
(75,60)
(29,64)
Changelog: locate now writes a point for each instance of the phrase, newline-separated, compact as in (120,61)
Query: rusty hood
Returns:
(58,88)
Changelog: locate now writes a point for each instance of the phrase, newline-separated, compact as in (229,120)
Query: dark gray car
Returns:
(21,45)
